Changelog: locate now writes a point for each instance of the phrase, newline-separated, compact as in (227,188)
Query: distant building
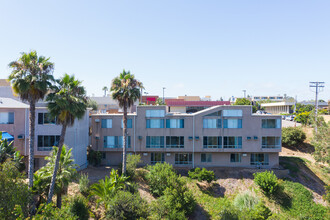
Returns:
(191,106)
(106,104)
(287,107)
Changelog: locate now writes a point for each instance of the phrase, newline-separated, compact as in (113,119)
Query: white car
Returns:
(290,118)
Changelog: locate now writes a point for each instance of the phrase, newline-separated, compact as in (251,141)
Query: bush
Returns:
(131,164)
(78,206)
(125,205)
(293,136)
(246,200)
(84,184)
(14,191)
(260,211)
(94,157)
(267,181)
(326,196)
(51,212)
(158,177)
(202,175)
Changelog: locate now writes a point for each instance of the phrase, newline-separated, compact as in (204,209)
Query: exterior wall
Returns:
(193,133)
(76,137)
(18,128)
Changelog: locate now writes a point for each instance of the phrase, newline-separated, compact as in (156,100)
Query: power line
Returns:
(318,88)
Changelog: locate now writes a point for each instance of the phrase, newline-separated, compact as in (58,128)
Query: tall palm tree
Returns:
(31,78)
(67,102)
(126,90)
(105,89)
(65,174)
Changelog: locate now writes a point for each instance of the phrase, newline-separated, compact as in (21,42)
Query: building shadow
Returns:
(300,172)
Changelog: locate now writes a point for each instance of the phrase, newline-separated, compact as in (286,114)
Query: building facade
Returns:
(14,119)
(217,136)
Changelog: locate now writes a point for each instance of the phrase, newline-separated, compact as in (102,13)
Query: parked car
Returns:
(283,117)
(290,117)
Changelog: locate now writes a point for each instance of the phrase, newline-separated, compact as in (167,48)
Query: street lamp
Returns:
(163,95)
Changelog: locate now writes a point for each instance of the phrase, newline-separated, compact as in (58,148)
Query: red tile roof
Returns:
(196,103)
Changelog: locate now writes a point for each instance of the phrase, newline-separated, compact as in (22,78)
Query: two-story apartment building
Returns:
(14,119)
(217,136)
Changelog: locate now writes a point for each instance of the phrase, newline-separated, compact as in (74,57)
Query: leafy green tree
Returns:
(7,151)
(66,103)
(14,192)
(303,118)
(293,136)
(159,101)
(321,142)
(303,108)
(65,174)
(245,101)
(126,90)
(108,187)
(31,78)
(92,104)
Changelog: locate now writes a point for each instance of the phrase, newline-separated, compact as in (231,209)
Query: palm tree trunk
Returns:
(31,142)
(59,200)
(57,161)
(125,138)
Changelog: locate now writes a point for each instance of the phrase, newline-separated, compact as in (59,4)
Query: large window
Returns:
(206,158)
(235,158)
(155,113)
(175,141)
(271,142)
(116,142)
(259,159)
(6,117)
(232,142)
(129,123)
(174,123)
(106,123)
(44,118)
(232,123)
(157,158)
(183,158)
(212,142)
(155,123)
(46,142)
(212,123)
(232,113)
(155,142)
(271,123)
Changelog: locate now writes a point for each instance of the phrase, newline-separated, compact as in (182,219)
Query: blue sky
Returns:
(215,48)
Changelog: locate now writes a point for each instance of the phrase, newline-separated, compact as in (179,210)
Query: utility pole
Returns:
(318,88)
(244,93)
(163,95)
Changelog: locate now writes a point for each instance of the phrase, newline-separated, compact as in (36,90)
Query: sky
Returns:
(216,48)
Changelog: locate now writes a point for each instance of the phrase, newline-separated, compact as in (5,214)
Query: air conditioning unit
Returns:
(140,137)
(244,155)
(255,138)
(21,136)
(196,138)
(168,154)
(248,138)
(97,120)
(145,154)
(97,137)
(190,137)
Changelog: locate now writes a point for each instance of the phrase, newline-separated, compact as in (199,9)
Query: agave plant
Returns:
(108,187)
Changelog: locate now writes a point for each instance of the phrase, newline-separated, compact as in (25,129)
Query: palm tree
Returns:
(105,89)
(65,174)
(31,78)
(66,103)
(126,90)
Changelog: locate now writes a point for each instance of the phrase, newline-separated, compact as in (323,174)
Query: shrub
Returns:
(202,175)
(13,191)
(246,200)
(267,181)
(84,184)
(326,196)
(131,164)
(293,136)
(158,177)
(94,157)
(303,118)
(51,212)
(260,211)
(125,205)
(78,206)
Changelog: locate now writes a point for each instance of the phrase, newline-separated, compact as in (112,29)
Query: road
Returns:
(286,124)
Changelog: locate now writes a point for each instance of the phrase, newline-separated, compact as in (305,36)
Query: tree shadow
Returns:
(300,172)
(199,213)
(303,148)
(213,189)
(281,198)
